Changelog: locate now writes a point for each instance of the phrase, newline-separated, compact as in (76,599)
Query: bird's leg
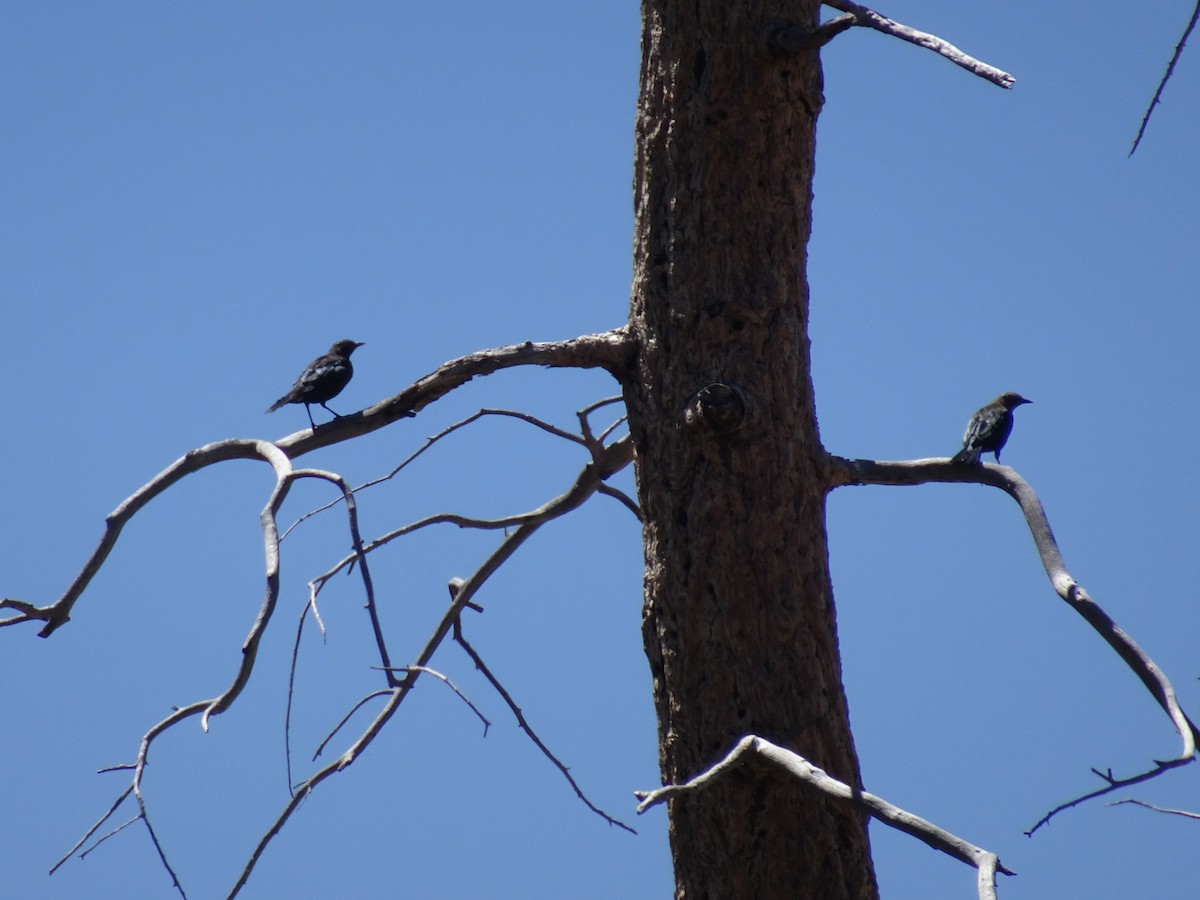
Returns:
(335,415)
(310,418)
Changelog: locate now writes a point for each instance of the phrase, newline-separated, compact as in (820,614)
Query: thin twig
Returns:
(431,441)
(610,460)
(104,837)
(1162,809)
(1111,783)
(310,783)
(1187,32)
(291,693)
(454,687)
(384,692)
(524,725)
(96,827)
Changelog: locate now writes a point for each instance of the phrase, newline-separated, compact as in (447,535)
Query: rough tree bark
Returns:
(739,621)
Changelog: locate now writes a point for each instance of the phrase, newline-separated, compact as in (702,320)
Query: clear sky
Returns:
(198,198)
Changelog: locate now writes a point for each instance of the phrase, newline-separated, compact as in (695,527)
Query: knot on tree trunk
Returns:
(718,407)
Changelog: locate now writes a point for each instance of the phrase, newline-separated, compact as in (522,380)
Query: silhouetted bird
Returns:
(989,428)
(322,379)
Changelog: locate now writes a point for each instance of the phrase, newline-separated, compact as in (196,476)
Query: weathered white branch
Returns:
(58,613)
(924,471)
(986,863)
(605,463)
(871,19)
(609,350)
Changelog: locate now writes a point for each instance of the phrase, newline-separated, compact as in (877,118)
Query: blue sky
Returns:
(197,199)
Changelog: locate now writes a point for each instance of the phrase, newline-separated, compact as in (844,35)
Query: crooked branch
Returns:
(58,613)
(986,863)
(609,350)
(924,471)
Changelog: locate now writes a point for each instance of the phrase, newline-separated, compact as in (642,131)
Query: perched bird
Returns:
(322,379)
(989,428)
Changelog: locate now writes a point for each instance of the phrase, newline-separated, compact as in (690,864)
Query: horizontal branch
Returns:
(985,862)
(871,19)
(608,350)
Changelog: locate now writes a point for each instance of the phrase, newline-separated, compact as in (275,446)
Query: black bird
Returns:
(322,379)
(989,428)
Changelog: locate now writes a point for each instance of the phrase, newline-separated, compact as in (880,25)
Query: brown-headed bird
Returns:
(322,379)
(989,428)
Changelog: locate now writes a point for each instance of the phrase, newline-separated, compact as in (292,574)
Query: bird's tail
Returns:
(282,401)
(966,456)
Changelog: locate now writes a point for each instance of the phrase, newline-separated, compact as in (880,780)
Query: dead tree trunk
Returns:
(739,622)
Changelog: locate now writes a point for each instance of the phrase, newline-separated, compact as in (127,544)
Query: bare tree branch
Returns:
(96,827)
(528,729)
(1162,809)
(923,471)
(309,784)
(434,439)
(611,460)
(454,687)
(610,350)
(985,862)
(1111,783)
(1187,32)
(58,613)
(385,692)
(871,19)
(113,833)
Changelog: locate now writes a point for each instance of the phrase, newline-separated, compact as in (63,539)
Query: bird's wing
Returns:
(980,426)
(321,369)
